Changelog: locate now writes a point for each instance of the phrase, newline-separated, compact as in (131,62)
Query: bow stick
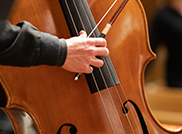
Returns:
(107,27)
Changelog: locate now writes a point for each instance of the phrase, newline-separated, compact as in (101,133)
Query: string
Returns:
(112,76)
(105,84)
(111,22)
(102,18)
(71,16)
(102,74)
(97,85)
(91,73)
(112,81)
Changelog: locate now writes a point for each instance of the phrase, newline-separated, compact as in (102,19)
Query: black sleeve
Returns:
(24,45)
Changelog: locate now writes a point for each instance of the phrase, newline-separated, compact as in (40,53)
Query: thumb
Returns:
(83,34)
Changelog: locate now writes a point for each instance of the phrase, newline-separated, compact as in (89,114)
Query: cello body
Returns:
(47,100)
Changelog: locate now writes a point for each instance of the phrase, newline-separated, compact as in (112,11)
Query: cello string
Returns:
(103,79)
(122,102)
(71,17)
(100,70)
(102,18)
(125,1)
(91,73)
(122,5)
(111,75)
(107,68)
(100,95)
(111,22)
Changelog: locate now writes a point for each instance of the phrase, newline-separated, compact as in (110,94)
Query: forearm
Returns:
(24,45)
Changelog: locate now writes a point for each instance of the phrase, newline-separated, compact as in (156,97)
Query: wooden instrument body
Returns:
(41,99)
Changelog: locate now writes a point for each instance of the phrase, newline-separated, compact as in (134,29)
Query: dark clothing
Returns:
(23,45)
(5,8)
(167,29)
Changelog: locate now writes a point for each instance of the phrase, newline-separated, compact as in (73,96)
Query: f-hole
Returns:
(73,129)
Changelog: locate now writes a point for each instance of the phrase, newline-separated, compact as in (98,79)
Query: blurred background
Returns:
(163,75)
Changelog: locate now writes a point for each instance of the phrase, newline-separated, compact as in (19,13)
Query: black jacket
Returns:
(24,45)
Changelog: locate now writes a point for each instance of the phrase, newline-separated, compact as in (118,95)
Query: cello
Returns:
(47,100)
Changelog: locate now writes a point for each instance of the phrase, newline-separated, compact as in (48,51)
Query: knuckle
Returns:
(91,51)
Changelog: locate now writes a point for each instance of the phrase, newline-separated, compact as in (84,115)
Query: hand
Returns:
(82,52)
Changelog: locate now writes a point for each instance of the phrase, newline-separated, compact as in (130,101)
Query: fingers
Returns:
(97,42)
(98,49)
(101,51)
(82,52)
(83,34)
(89,70)
(97,62)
